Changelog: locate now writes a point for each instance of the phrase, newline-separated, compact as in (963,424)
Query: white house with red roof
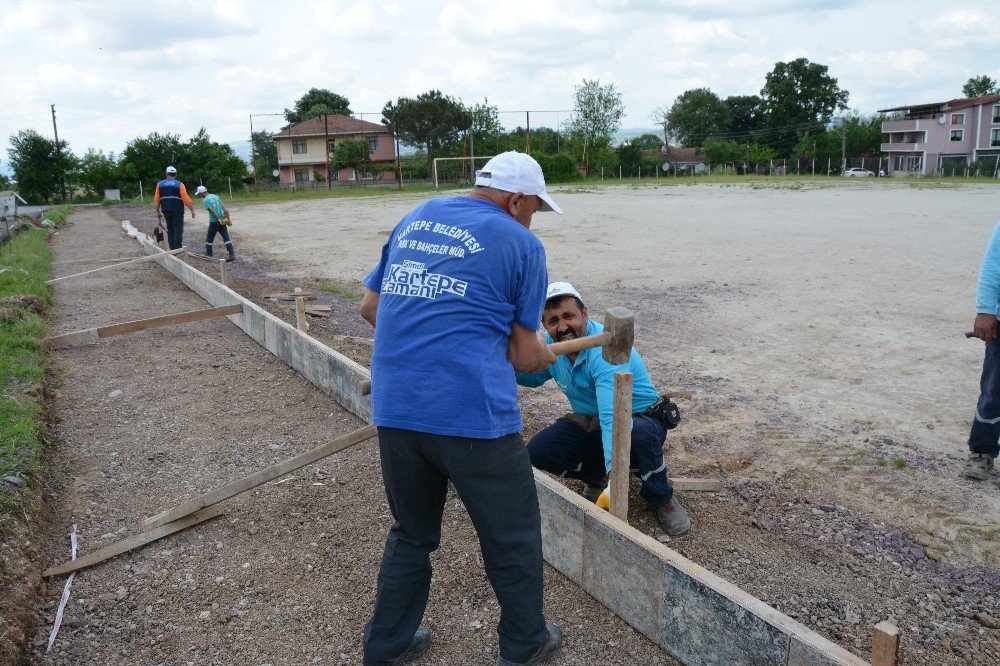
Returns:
(304,150)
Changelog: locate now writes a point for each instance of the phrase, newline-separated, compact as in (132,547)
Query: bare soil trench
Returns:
(809,521)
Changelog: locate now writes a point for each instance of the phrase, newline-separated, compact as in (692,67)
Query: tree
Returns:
(799,96)
(98,172)
(981,85)
(648,142)
(746,115)
(205,162)
(430,120)
(39,164)
(351,153)
(265,156)
(316,102)
(721,151)
(485,121)
(597,110)
(148,157)
(695,116)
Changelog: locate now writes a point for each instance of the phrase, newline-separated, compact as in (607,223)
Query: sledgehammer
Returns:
(615,342)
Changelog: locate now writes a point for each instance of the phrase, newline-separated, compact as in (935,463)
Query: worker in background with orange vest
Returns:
(170,198)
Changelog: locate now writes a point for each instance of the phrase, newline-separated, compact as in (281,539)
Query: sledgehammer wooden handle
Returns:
(579,344)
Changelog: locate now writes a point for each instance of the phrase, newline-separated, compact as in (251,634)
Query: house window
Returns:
(995,138)
(302,175)
(331,145)
(299,148)
(908,163)
(372,143)
(958,119)
(956,135)
(996,114)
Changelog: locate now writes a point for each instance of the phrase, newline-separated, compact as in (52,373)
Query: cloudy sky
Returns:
(117,70)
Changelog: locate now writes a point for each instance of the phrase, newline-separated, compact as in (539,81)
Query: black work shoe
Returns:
(549,648)
(978,466)
(673,518)
(592,491)
(231,257)
(418,646)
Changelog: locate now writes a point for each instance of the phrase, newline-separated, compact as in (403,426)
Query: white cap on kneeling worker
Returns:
(201,189)
(557,289)
(170,169)
(516,172)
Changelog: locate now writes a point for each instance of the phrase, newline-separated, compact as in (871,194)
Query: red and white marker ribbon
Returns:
(65,595)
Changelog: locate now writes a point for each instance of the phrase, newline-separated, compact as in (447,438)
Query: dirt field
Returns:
(819,328)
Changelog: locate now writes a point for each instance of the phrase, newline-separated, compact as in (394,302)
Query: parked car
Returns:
(858,172)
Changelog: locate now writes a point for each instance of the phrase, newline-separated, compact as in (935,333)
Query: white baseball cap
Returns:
(557,289)
(170,169)
(201,190)
(516,172)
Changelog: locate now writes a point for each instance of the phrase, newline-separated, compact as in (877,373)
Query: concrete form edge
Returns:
(566,521)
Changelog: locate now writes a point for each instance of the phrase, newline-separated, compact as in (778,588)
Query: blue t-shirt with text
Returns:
(454,275)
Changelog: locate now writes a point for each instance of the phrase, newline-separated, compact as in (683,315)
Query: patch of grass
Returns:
(58,214)
(24,266)
(880,462)
(899,463)
(338,289)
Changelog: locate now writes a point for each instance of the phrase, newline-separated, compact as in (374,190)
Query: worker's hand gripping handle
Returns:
(579,344)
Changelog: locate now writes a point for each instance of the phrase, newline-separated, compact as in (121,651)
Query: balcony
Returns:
(901,147)
(904,125)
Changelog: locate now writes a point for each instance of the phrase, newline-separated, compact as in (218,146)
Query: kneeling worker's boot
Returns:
(978,466)
(552,644)
(673,518)
(232,252)
(208,250)
(420,643)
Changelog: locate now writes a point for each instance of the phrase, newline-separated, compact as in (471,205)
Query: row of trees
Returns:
(46,171)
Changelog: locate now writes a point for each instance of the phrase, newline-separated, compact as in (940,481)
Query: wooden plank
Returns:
(268,474)
(621,446)
(168,320)
(300,311)
(222,271)
(70,339)
(319,310)
(91,261)
(885,644)
(104,268)
(704,485)
(289,296)
(133,542)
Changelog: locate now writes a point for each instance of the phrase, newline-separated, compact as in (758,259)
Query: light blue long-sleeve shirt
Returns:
(589,384)
(988,287)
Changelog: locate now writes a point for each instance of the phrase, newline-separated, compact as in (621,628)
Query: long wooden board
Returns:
(133,542)
(89,334)
(268,474)
(105,268)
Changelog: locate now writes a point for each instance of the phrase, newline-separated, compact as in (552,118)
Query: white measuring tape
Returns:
(65,595)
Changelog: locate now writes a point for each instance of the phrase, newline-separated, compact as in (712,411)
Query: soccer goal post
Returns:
(457,169)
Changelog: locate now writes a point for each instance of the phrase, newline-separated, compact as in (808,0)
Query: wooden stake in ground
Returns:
(69,339)
(621,447)
(885,644)
(132,543)
(105,268)
(269,474)
(300,311)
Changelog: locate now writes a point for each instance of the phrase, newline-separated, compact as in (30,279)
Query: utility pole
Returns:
(326,144)
(253,158)
(62,174)
(527,139)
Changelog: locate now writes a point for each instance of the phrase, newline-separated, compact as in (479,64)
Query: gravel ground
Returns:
(287,574)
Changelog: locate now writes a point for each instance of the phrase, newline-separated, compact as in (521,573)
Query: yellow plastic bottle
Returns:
(604,501)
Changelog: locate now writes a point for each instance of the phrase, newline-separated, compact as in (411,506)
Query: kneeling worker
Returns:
(578,445)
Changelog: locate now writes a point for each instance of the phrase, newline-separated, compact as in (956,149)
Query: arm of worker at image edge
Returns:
(525,350)
(988,290)
(373,283)
(187,200)
(369,306)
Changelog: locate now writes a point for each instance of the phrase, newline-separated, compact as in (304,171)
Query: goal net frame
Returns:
(472,158)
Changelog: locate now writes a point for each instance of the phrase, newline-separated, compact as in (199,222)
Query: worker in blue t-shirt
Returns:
(218,219)
(578,446)
(985,433)
(170,198)
(456,302)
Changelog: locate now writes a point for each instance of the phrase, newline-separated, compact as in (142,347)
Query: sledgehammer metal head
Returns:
(619,325)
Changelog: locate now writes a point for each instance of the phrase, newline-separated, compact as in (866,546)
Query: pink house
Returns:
(304,149)
(944,137)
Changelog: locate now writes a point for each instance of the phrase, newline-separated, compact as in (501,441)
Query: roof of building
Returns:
(952,105)
(334,124)
(682,155)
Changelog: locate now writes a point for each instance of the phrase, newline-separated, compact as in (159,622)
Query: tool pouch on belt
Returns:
(584,422)
(666,412)
(226,222)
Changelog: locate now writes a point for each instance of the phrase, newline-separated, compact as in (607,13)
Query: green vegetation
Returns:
(338,289)
(899,463)
(24,267)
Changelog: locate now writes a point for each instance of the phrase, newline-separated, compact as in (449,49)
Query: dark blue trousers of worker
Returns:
(494,480)
(216,228)
(567,450)
(985,433)
(175,229)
